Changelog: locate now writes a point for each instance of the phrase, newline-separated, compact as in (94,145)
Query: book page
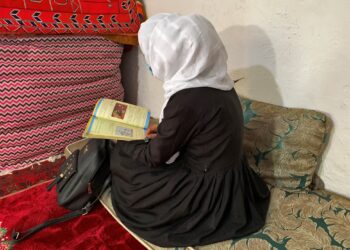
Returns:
(102,128)
(122,112)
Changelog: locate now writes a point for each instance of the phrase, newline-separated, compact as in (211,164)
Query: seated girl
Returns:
(190,184)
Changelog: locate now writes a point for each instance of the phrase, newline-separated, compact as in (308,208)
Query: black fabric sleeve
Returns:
(179,124)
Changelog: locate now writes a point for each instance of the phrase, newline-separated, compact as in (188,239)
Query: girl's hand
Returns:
(152,131)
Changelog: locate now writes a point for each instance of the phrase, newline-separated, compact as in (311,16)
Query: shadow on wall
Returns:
(129,69)
(251,48)
(251,56)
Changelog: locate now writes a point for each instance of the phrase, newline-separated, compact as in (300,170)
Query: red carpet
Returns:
(96,230)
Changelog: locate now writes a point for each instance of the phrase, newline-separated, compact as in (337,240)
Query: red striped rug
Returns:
(49,86)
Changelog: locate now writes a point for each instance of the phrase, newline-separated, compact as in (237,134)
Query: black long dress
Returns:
(208,194)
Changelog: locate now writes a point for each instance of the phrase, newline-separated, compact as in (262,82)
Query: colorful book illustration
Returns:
(113,119)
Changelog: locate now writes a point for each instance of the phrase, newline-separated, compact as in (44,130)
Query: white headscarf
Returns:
(184,52)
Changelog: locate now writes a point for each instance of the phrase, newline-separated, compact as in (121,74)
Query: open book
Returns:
(117,120)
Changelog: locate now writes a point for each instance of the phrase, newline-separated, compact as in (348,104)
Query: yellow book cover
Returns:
(113,119)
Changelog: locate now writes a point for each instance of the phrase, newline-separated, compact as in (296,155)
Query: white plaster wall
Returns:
(291,53)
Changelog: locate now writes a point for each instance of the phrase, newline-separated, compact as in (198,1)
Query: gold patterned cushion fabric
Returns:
(284,145)
(299,220)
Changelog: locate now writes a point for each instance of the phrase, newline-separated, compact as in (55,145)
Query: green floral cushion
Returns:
(284,145)
(298,220)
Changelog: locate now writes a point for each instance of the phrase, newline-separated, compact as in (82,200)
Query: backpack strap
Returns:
(17,236)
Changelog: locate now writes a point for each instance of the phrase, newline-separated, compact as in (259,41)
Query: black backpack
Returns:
(80,182)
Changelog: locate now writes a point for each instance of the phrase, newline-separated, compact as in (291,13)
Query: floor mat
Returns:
(27,208)
(24,178)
